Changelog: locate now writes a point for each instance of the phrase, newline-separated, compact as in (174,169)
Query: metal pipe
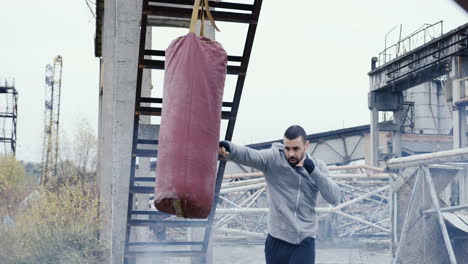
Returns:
(429,158)
(366,199)
(241,183)
(448,209)
(222,211)
(227,201)
(343,205)
(362,221)
(377,176)
(242,188)
(243,175)
(363,181)
(360,190)
(353,167)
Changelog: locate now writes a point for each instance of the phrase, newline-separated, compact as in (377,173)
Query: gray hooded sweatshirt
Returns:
(292,191)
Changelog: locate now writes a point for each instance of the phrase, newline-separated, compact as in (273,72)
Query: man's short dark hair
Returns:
(294,132)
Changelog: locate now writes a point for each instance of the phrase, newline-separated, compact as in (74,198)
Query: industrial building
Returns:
(407,166)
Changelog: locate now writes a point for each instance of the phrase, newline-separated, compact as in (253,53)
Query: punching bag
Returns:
(195,72)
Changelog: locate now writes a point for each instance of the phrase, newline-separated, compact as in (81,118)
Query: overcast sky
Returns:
(309,62)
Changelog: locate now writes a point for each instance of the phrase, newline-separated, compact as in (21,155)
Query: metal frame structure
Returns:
(364,211)
(53,90)
(408,118)
(421,64)
(435,58)
(8,116)
(420,233)
(237,65)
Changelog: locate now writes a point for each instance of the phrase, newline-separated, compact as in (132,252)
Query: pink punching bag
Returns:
(195,71)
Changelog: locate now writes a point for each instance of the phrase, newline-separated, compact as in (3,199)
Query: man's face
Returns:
(294,149)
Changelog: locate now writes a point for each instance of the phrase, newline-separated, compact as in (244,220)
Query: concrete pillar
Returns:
(121,30)
(463,83)
(374,126)
(374,138)
(104,176)
(457,81)
(106,121)
(396,139)
(459,113)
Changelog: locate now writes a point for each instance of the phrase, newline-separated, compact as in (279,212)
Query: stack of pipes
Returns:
(364,209)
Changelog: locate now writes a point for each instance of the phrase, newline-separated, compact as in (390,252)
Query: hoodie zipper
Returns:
(297,207)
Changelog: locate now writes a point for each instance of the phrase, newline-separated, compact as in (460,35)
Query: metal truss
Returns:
(8,116)
(241,216)
(424,227)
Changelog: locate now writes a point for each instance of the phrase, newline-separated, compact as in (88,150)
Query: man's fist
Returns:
(225,144)
(224,149)
(309,165)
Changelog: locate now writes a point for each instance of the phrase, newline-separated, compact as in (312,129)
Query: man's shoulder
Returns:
(277,146)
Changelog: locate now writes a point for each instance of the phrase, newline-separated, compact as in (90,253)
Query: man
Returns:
(294,180)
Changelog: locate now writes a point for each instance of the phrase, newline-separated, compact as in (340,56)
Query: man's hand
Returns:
(307,163)
(301,162)
(224,149)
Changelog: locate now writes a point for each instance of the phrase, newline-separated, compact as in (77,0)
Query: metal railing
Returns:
(421,36)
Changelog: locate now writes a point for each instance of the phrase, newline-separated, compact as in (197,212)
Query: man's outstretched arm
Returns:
(257,159)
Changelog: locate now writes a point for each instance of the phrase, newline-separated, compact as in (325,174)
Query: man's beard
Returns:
(295,160)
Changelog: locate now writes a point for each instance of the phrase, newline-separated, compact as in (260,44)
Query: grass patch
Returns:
(61,226)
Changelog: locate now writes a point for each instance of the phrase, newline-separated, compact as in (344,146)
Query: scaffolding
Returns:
(8,116)
(53,84)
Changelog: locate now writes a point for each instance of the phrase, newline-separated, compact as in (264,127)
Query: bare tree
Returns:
(85,150)
(78,156)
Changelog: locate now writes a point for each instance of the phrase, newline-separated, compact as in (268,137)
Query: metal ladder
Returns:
(168,225)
